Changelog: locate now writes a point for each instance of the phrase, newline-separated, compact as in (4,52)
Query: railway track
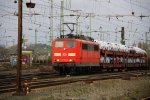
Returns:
(8,81)
(45,79)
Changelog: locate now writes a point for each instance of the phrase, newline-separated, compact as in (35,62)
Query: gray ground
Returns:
(113,89)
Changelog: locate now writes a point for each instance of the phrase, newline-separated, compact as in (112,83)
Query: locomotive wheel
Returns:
(72,70)
(67,70)
(77,70)
(99,69)
(119,69)
(107,69)
(112,70)
(87,70)
(61,71)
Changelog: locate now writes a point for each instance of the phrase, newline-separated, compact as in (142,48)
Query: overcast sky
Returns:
(108,16)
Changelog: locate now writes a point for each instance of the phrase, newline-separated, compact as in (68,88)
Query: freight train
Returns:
(78,53)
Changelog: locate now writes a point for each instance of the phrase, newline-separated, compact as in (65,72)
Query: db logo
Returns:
(64,54)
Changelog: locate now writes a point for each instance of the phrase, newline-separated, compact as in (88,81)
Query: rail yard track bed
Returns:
(131,85)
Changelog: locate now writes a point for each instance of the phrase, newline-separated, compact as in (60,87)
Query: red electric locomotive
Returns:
(73,53)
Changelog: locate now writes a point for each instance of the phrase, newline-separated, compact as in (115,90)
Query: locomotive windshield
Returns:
(70,44)
(59,44)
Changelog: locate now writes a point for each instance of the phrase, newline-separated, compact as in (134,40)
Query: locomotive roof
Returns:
(73,36)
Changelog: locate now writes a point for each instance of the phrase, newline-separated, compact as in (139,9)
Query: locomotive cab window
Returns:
(59,44)
(90,47)
(96,47)
(70,44)
(85,46)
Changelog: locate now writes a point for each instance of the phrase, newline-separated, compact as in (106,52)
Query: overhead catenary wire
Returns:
(8,14)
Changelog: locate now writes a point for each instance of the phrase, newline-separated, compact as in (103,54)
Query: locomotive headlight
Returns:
(70,60)
(57,60)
